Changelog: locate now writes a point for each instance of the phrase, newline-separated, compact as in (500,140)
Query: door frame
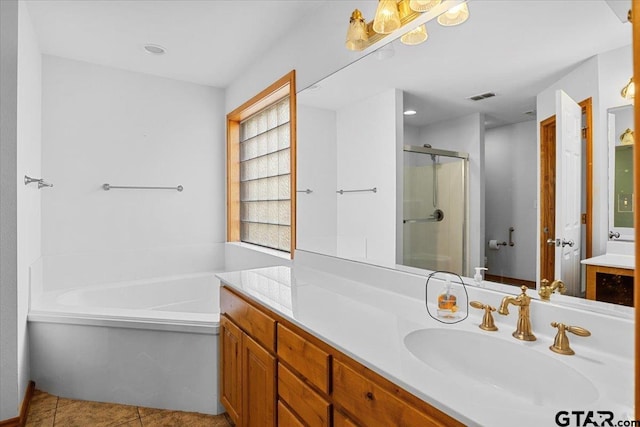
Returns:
(548,187)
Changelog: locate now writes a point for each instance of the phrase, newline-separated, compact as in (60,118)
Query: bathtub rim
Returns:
(45,308)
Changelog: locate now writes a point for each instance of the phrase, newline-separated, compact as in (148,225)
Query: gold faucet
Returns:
(561,342)
(487,320)
(523,327)
(546,290)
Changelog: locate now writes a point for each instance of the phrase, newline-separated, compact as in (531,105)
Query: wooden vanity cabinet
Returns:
(247,367)
(610,284)
(274,373)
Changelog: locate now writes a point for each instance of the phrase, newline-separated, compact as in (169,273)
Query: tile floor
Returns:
(47,410)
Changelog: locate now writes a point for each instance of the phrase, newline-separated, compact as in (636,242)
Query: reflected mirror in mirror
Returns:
(489,88)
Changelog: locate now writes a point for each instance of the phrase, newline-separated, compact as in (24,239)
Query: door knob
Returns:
(613,235)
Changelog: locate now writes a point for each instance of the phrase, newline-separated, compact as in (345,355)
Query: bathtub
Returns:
(150,343)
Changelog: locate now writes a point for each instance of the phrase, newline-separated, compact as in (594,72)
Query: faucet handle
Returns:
(561,341)
(547,289)
(487,320)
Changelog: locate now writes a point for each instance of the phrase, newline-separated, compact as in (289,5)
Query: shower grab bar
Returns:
(108,187)
(305,191)
(41,183)
(373,190)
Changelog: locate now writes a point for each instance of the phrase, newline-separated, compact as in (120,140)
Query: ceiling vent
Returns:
(482,96)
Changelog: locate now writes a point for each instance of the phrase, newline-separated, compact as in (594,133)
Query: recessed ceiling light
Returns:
(154,49)
(410,112)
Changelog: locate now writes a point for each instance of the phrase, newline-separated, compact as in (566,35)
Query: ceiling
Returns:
(514,48)
(207,42)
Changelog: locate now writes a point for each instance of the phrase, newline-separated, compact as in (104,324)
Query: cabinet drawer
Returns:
(254,322)
(286,417)
(341,420)
(305,402)
(373,405)
(310,361)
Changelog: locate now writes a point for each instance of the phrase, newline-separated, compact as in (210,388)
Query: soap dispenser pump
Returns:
(447,301)
(478,276)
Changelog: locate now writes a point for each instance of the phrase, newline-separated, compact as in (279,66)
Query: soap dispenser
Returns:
(447,301)
(478,276)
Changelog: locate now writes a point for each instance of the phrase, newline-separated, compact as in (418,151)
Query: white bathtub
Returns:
(148,343)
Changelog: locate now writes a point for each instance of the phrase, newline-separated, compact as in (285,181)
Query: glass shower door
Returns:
(434,209)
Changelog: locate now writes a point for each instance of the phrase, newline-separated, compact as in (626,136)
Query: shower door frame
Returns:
(465,176)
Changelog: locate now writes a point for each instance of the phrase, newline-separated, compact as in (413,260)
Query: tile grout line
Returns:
(55,412)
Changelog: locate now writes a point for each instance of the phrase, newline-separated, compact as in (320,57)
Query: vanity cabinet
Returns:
(275,373)
(610,284)
(248,365)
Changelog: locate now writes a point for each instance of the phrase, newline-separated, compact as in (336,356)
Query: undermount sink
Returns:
(494,362)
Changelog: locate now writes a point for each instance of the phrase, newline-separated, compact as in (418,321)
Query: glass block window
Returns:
(265,177)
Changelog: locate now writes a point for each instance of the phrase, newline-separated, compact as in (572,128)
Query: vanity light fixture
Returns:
(394,14)
(423,5)
(387,18)
(415,36)
(410,112)
(454,16)
(357,36)
(629,91)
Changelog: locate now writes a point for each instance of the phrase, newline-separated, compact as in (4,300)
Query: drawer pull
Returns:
(369,396)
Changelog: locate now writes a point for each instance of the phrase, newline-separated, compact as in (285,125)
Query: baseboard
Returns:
(21,420)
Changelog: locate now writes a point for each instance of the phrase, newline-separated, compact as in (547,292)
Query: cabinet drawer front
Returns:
(306,403)
(310,361)
(371,404)
(254,322)
(286,417)
(340,420)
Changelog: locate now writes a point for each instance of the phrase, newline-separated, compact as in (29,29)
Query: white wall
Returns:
(466,134)
(104,125)
(9,399)
(316,211)
(367,154)
(28,163)
(313,55)
(511,198)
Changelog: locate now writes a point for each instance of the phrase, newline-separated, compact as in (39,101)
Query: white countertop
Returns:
(612,260)
(369,324)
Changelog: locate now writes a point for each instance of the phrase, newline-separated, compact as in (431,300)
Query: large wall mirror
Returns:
(440,155)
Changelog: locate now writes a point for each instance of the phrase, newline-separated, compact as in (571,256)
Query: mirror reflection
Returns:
(524,106)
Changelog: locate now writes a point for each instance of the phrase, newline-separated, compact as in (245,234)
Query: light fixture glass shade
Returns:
(357,36)
(629,91)
(415,36)
(387,18)
(454,16)
(423,5)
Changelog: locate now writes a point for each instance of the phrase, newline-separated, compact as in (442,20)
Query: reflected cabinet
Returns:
(610,284)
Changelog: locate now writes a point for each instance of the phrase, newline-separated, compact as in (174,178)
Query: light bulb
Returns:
(387,18)
(454,16)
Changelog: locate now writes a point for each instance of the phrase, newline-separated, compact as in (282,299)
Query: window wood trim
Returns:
(285,86)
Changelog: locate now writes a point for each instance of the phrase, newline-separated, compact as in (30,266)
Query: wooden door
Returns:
(230,369)
(547,197)
(568,192)
(259,381)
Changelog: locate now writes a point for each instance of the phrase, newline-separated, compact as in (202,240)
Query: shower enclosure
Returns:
(435,209)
